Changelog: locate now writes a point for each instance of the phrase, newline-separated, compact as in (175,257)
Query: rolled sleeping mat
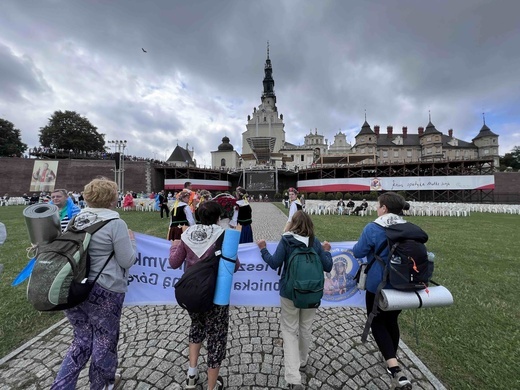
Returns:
(226,267)
(400,300)
(3,233)
(43,223)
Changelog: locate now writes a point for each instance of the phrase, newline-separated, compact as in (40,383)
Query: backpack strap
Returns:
(93,229)
(311,245)
(106,263)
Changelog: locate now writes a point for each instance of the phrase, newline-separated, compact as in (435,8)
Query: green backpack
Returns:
(304,278)
(59,280)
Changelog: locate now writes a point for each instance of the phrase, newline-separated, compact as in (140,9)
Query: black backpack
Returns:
(409,268)
(195,290)
(59,280)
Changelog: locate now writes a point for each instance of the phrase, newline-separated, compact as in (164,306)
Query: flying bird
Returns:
(144,50)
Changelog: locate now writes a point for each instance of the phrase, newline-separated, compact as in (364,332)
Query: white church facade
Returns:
(264,144)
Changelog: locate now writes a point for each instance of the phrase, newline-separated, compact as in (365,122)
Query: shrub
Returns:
(312,195)
(339,195)
(330,196)
(321,195)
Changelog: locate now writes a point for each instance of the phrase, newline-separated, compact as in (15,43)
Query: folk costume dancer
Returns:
(244,215)
(181,216)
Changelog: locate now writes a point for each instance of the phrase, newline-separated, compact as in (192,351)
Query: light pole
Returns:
(119,157)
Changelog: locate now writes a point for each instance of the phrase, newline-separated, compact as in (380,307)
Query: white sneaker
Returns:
(191,381)
(117,381)
(401,382)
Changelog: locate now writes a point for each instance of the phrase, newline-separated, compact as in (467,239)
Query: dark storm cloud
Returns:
(19,77)
(332,60)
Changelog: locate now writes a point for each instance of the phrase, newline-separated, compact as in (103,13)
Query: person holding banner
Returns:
(385,326)
(195,244)
(295,323)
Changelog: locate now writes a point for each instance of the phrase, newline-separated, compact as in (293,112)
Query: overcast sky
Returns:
(202,73)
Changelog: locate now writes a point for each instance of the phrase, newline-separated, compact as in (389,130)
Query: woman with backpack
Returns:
(112,251)
(295,323)
(197,243)
(385,326)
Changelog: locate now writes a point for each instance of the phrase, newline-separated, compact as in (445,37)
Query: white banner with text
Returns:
(151,279)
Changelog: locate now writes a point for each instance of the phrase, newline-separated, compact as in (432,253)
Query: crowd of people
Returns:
(196,221)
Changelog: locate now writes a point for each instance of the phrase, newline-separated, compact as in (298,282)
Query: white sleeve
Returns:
(292,210)
(189,215)
(234,219)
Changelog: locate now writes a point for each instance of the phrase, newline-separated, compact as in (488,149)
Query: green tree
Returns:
(70,131)
(10,140)
(511,159)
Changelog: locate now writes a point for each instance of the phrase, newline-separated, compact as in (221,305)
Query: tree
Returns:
(511,159)
(11,144)
(70,131)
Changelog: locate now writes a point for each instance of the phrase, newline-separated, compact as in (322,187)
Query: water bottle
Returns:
(431,256)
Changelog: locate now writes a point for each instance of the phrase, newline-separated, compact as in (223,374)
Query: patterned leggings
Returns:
(96,332)
(212,324)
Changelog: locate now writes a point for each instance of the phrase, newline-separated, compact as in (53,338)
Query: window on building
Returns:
(385,154)
(457,153)
(428,150)
(370,150)
(438,149)
(428,139)
(362,151)
(494,141)
(396,153)
(223,162)
(370,138)
(302,158)
(409,153)
(265,119)
(486,151)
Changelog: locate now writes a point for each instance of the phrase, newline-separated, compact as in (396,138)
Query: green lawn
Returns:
(473,344)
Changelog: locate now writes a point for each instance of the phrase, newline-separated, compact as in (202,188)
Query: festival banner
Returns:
(151,279)
(43,178)
(404,183)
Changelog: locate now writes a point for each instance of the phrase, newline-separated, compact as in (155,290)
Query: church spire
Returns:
(268,79)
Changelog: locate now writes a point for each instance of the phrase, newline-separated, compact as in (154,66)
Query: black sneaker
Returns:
(303,367)
(296,387)
(191,381)
(220,384)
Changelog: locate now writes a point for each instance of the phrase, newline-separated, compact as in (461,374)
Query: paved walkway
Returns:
(153,346)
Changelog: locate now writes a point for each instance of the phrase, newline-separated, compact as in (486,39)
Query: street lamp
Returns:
(119,157)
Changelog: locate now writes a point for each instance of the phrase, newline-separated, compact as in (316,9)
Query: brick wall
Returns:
(507,187)
(15,175)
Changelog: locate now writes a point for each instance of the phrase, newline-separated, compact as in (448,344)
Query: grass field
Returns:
(473,344)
